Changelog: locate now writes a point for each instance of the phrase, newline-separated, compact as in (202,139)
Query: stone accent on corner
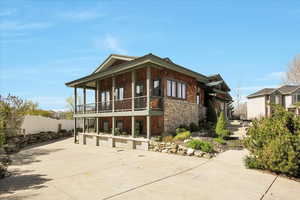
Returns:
(177,112)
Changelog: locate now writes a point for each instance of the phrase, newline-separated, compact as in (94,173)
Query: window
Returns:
(198,99)
(176,89)
(173,89)
(119,93)
(139,89)
(156,88)
(120,125)
(179,90)
(169,88)
(105,126)
(183,90)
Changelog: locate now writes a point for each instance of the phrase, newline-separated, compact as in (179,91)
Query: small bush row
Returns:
(200,145)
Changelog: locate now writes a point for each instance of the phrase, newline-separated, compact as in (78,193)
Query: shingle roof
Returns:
(286,89)
(262,92)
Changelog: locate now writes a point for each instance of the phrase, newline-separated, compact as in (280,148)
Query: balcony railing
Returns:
(123,105)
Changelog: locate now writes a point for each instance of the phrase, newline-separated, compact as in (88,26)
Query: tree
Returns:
(221,127)
(12,112)
(292,76)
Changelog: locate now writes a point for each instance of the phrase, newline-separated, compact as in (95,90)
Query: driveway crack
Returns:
(156,180)
(262,197)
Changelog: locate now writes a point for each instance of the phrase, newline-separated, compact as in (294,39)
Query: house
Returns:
(136,98)
(258,104)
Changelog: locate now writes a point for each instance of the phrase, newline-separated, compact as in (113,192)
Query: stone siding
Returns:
(177,112)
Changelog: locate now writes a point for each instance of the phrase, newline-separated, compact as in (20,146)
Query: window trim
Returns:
(183,95)
(159,88)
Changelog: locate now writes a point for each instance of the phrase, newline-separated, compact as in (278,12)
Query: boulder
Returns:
(190,151)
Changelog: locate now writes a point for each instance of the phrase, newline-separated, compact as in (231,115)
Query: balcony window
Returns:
(139,89)
(156,88)
(119,92)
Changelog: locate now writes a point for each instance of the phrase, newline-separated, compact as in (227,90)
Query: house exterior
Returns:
(136,98)
(258,104)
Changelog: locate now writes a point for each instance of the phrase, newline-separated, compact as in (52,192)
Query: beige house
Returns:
(258,104)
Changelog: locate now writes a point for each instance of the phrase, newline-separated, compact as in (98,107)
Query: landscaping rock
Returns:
(199,153)
(165,151)
(3,171)
(190,151)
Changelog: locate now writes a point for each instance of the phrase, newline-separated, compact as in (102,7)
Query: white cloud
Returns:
(16,26)
(111,43)
(274,76)
(7,12)
(82,16)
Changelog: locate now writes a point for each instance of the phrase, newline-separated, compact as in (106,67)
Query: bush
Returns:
(2,139)
(182,136)
(117,131)
(168,138)
(221,127)
(193,127)
(274,143)
(179,130)
(200,145)
(220,140)
(184,126)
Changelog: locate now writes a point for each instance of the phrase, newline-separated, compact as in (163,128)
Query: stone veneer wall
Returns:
(177,112)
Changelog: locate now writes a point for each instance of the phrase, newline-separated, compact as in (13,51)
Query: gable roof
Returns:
(262,92)
(111,59)
(148,58)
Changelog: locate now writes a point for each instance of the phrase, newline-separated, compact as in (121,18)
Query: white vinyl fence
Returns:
(35,124)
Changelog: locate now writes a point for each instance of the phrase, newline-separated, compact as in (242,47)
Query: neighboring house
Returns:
(258,104)
(144,96)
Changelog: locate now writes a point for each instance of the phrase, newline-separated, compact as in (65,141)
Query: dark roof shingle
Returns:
(262,92)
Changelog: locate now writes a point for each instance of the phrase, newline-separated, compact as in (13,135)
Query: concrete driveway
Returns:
(64,171)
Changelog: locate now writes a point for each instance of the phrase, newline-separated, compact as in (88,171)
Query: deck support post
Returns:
(113,93)
(75,111)
(84,108)
(148,87)
(148,102)
(132,126)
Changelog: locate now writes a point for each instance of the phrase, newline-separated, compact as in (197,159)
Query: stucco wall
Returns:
(256,107)
(288,101)
(37,124)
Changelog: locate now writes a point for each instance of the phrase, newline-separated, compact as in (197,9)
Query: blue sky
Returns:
(44,44)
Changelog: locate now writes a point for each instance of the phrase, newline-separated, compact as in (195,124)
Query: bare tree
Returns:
(240,108)
(293,72)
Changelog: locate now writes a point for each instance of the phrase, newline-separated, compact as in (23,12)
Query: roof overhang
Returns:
(149,58)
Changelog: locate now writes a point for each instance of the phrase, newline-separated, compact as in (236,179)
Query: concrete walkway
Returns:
(64,171)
